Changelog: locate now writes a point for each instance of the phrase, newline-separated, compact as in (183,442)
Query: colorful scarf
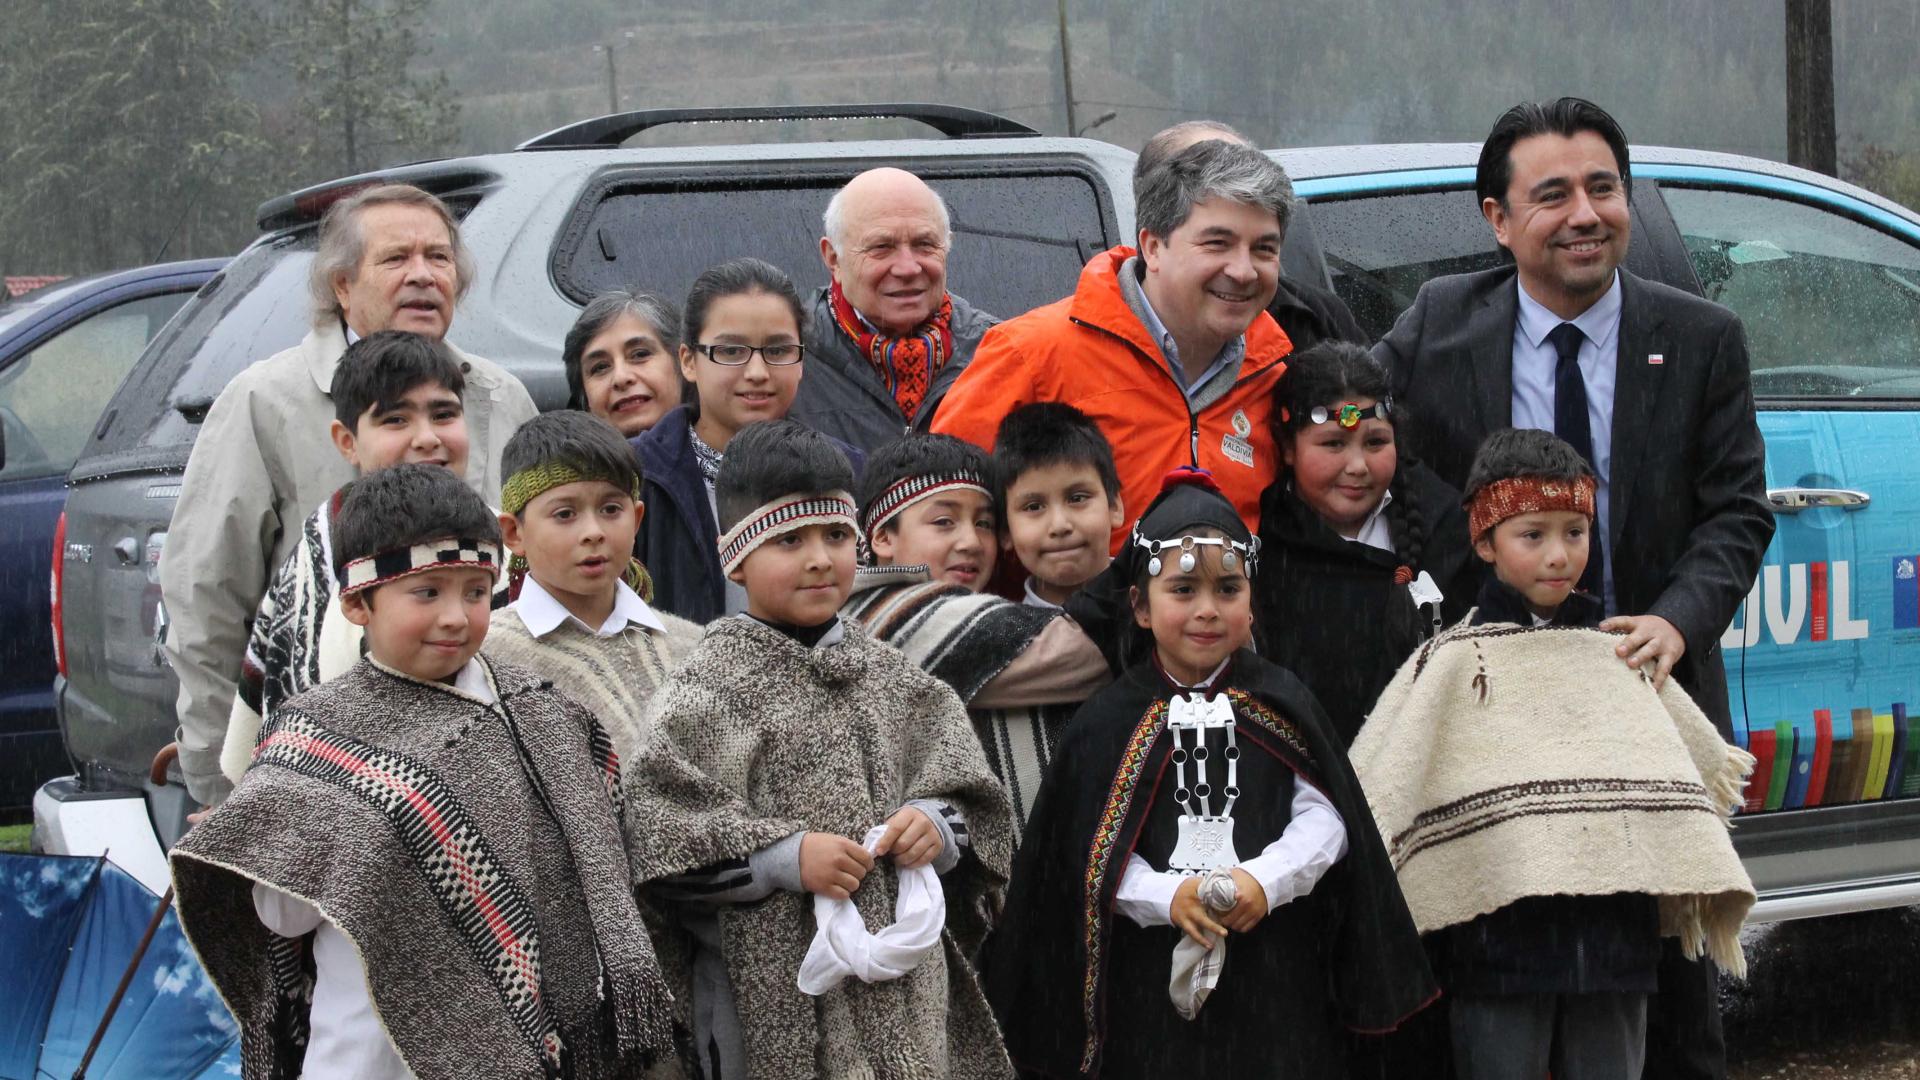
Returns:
(906,365)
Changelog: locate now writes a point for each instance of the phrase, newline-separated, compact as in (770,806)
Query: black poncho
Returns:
(1079,990)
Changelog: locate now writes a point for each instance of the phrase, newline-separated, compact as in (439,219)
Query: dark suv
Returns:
(564,216)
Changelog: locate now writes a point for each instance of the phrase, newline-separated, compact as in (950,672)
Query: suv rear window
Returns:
(255,308)
(1015,246)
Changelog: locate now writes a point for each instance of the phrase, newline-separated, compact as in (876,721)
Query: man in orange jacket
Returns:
(1168,348)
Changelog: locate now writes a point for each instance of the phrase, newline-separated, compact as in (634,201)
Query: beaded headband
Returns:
(1516,495)
(378,569)
(1188,546)
(914,489)
(535,480)
(782,516)
(1347,415)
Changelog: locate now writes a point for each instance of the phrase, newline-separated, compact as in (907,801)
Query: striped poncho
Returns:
(1022,671)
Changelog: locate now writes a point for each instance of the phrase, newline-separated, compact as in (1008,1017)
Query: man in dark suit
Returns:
(1307,313)
(1651,385)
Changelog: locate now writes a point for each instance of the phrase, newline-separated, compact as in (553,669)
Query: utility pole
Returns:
(613,86)
(1066,67)
(1811,143)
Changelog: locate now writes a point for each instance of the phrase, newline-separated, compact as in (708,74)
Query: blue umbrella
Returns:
(69,928)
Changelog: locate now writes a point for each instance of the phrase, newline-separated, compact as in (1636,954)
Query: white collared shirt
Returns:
(1034,599)
(1534,363)
(1374,532)
(543,614)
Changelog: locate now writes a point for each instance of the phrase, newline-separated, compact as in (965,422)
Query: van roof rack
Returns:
(606,132)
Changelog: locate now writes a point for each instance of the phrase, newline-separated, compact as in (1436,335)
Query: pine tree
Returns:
(121,138)
(358,106)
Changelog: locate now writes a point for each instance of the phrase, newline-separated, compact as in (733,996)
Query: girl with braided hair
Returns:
(1365,549)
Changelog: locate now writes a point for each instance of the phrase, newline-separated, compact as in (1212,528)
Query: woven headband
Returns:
(363,574)
(535,480)
(782,516)
(1516,495)
(895,500)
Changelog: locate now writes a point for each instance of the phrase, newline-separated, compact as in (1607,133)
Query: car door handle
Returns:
(1795,499)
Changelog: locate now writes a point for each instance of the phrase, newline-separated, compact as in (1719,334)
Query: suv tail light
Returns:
(59,576)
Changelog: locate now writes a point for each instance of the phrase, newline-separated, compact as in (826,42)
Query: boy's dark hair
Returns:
(1524,452)
(598,315)
(1333,372)
(380,369)
(1566,117)
(919,455)
(774,459)
(1049,433)
(407,505)
(581,440)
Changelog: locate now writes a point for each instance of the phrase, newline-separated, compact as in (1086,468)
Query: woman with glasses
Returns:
(742,355)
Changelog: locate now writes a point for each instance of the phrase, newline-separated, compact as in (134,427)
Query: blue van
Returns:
(64,349)
(1823,660)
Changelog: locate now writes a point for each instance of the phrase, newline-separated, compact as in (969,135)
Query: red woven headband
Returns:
(1516,495)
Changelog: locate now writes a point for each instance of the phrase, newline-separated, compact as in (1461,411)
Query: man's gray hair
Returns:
(833,221)
(1169,141)
(1213,169)
(343,243)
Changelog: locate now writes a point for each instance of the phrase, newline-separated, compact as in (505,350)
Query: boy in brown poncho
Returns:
(784,738)
(1551,812)
(422,874)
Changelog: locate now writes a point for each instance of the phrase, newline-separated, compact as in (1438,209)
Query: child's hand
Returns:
(1251,906)
(1192,916)
(911,838)
(832,866)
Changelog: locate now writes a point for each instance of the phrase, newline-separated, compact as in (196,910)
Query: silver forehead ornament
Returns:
(1189,546)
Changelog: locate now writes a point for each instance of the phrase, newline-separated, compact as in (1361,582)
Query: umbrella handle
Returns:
(126,979)
(157,772)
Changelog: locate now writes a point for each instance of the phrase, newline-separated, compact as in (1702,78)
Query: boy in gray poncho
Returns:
(421,874)
(786,734)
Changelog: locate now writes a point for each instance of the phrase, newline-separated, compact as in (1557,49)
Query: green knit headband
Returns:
(531,482)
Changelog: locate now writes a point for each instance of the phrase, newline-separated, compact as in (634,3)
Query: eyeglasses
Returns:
(781,355)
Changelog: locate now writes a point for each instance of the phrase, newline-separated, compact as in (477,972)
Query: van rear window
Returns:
(1019,241)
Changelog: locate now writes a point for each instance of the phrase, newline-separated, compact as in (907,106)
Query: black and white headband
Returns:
(896,499)
(378,569)
(782,516)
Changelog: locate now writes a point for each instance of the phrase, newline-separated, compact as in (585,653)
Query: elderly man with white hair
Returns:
(885,339)
(389,258)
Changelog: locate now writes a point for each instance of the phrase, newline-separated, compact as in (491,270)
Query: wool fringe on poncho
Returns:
(1505,762)
(757,737)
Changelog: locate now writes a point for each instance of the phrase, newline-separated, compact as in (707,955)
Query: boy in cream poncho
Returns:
(1550,812)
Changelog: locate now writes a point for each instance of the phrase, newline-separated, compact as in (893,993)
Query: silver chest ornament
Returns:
(1205,839)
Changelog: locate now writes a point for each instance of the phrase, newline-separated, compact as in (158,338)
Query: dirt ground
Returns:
(1833,997)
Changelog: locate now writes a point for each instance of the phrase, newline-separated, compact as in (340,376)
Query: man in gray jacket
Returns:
(886,339)
(389,258)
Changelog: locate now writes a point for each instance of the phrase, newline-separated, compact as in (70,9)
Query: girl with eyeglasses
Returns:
(741,353)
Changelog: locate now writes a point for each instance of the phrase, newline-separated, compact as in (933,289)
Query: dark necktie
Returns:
(1571,424)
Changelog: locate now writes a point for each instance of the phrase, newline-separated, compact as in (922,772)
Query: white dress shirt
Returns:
(1374,532)
(1034,599)
(542,614)
(1534,362)
(1286,869)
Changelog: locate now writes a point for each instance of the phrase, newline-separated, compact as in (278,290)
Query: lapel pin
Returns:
(1656,359)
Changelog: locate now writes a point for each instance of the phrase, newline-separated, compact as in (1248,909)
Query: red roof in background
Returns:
(25,284)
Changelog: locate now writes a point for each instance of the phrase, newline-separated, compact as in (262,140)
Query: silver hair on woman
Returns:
(343,243)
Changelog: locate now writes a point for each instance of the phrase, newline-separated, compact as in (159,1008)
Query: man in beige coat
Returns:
(389,258)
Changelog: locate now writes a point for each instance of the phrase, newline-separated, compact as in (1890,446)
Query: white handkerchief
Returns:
(1196,971)
(842,947)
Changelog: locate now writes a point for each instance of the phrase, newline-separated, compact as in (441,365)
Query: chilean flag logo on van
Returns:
(1906,593)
